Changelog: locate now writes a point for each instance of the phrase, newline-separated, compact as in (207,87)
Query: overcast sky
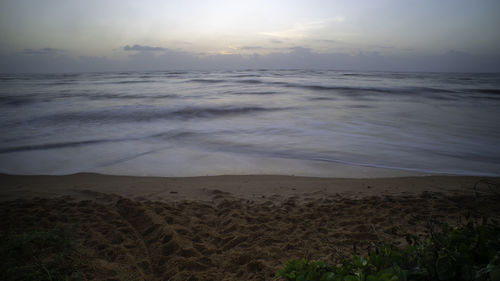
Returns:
(411,35)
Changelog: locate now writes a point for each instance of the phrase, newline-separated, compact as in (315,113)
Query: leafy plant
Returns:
(306,270)
(471,252)
(37,255)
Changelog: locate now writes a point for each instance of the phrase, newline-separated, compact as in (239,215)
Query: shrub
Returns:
(470,252)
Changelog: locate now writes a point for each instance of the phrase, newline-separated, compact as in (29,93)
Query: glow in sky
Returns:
(399,29)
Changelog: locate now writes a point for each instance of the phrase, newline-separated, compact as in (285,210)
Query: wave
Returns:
(63,82)
(172,135)
(250,81)
(341,89)
(120,96)
(16,101)
(11,78)
(253,93)
(177,72)
(322,98)
(315,87)
(31,99)
(57,145)
(487,91)
(194,112)
(151,114)
(132,82)
(352,89)
(338,89)
(341,158)
(361,106)
(245,75)
(429,90)
(211,81)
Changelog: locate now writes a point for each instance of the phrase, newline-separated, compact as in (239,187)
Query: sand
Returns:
(231,227)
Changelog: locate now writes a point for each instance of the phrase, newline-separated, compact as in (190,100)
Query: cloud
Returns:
(339,19)
(329,41)
(142,48)
(276,41)
(300,50)
(297,57)
(299,30)
(458,54)
(251,48)
(42,51)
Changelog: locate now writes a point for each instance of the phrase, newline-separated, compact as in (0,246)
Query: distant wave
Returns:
(342,88)
(105,96)
(429,89)
(253,93)
(250,81)
(17,101)
(9,78)
(487,91)
(360,106)
(245,75)
(31,99)
(151,114)
(132,82)
(322,98)
(58,145)
(54,145)
(206,112)
(65,82)
(176,72)
(314,87)
(211,81)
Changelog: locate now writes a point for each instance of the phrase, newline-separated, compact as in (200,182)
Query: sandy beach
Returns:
(231,227)
(242,140)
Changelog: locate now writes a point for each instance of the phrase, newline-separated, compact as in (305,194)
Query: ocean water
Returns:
(189,123)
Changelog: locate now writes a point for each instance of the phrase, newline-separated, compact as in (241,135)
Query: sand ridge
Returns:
(252,187)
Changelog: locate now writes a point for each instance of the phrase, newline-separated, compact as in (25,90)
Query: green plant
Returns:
(467,253)
(302,270)
(470,252)
(37,255)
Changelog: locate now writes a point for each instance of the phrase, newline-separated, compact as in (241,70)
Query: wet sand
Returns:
(231,227)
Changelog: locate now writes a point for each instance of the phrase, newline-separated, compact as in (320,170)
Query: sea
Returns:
(289,122)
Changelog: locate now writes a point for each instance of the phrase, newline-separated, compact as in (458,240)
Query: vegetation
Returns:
(470,252)
(38,255)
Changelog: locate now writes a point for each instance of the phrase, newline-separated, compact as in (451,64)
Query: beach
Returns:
(249,140)
(232,227)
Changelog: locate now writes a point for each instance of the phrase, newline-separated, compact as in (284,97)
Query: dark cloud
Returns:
(42,51)
(458,54)
(299,49)
(329,41)
(142,48)
(297,57)
(251,48)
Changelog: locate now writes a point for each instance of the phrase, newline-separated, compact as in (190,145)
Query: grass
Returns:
(38,255)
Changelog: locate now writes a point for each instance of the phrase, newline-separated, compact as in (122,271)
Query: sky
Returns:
(386,35)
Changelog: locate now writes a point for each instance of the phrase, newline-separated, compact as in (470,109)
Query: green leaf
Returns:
(351,278)
(329,276)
